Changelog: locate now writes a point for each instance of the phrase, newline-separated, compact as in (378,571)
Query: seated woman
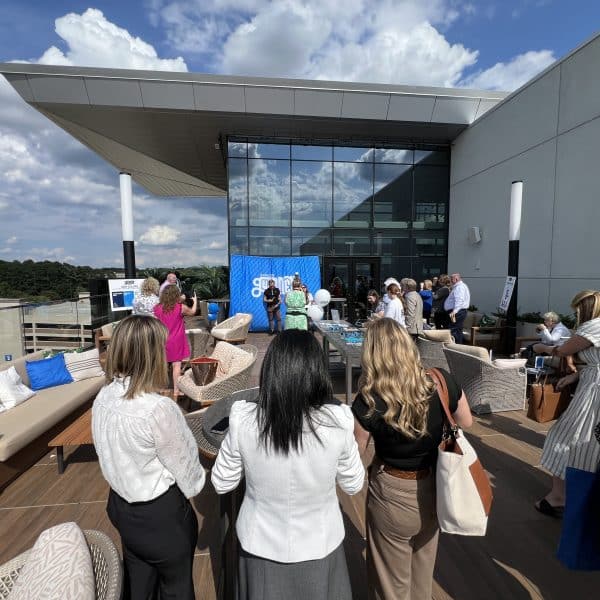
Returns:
(551,333)
(376,305)
(149,457)
(292,446)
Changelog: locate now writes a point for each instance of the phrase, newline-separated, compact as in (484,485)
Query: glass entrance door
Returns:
(351,278)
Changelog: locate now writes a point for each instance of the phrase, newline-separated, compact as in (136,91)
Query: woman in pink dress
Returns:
(171,311)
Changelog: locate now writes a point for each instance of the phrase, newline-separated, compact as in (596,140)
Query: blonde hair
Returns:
(150,287)
(392,371)
(170,298)
(427,284)
(586,305)
(137,351)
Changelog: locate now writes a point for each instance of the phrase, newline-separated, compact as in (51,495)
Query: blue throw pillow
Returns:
(48,372)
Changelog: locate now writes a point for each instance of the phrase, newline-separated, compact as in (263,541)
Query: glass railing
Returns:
(58,325)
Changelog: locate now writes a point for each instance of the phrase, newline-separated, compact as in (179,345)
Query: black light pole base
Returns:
(511,314)
(129,260)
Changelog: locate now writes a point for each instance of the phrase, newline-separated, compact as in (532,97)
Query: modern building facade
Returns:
(376,180)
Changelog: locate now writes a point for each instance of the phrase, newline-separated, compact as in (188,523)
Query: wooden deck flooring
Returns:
(514,561)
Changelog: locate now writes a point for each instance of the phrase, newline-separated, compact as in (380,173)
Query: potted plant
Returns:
(527,323)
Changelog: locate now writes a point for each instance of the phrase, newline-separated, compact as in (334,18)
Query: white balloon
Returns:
(315,312)
(322,297)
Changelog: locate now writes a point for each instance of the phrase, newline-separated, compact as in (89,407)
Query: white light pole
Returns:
(127,224)
(514,236)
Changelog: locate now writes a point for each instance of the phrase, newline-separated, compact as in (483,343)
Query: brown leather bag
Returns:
(546,403)
(204,369)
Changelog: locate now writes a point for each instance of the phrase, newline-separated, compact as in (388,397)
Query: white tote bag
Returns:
(464,495)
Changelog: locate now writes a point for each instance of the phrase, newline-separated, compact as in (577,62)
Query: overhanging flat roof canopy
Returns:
(169,129)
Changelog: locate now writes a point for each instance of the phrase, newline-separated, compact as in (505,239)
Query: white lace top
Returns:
(144,445)
(144,305)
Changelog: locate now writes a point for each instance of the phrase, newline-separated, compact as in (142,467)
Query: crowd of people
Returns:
(295,443)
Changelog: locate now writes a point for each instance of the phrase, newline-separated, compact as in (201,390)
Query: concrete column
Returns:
(127,224)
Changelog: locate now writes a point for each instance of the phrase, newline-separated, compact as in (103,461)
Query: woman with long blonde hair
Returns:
(571,442)
(149,457)
(399,407)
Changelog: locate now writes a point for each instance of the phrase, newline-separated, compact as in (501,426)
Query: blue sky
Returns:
(50,184)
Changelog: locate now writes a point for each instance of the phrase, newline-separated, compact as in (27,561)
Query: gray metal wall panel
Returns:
(357,105)
(527,119)
(410,108)
(580,87)
(219,97)
(484,106)
(173,95)
(454,110)
(21,85)
(269,100)
(318,103)
(576,243)
(114,92)
(70,90)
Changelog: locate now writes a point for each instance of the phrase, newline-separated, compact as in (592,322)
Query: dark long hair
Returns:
(293,381)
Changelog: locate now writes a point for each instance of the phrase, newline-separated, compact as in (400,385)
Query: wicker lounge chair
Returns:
(431,348)
(108,572)
(235,366)
(233,330)
(488,388)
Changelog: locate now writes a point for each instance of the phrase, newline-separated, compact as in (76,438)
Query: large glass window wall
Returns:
(289,198)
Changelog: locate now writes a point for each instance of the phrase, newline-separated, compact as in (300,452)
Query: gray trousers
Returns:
(402,536)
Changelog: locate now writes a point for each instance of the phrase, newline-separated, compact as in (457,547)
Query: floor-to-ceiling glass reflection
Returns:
(288,198)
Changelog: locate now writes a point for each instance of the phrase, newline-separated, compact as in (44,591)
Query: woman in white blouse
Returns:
(149,458)
(292,446)
(394,308)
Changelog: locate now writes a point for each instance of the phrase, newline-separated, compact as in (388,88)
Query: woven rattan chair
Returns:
(432,352)
(234,329)
(488,388)
(235,366)
(108,572)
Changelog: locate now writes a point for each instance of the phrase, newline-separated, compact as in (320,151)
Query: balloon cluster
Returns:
(321,298)
(213,312)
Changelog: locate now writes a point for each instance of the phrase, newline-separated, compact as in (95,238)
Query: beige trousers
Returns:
(402,536)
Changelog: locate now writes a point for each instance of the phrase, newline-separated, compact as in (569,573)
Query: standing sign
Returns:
(122,292)
(507,293)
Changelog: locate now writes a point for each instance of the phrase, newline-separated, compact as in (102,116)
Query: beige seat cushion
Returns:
(26,422)
(509,363)
(59,567)
(476,351)
(437,335)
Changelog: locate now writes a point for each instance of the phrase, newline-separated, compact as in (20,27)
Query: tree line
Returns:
(50,280)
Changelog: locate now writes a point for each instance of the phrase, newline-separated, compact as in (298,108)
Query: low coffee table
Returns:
(78,433)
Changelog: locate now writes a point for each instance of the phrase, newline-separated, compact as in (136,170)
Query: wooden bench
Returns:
(78,433)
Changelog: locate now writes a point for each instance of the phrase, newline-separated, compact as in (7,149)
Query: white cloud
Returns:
(12,240)
(513,74)
(160,235)
(95,42)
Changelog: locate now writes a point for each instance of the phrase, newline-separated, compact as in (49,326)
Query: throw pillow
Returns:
(509,363)
(487,321)
(59,567)
(12,389)
(48,372)
(83,365)
(437,335)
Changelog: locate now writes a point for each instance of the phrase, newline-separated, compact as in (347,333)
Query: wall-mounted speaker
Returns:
(474,235)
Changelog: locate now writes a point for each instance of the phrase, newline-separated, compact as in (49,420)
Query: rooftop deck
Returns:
(515,560)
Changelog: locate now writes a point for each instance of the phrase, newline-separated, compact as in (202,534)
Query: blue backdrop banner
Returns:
(249,276)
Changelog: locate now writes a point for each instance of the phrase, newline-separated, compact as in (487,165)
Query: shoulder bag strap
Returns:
(442,390)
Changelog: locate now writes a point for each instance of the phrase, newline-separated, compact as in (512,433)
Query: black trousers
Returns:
(456,328)
(159,539)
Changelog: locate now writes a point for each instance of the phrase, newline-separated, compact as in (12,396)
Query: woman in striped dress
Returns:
(570,442)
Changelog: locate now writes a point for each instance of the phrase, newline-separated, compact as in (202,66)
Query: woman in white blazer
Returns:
(293,445)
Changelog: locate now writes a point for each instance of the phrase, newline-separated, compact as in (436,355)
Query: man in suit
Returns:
(413,307)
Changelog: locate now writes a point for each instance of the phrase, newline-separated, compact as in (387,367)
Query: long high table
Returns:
(350,353)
